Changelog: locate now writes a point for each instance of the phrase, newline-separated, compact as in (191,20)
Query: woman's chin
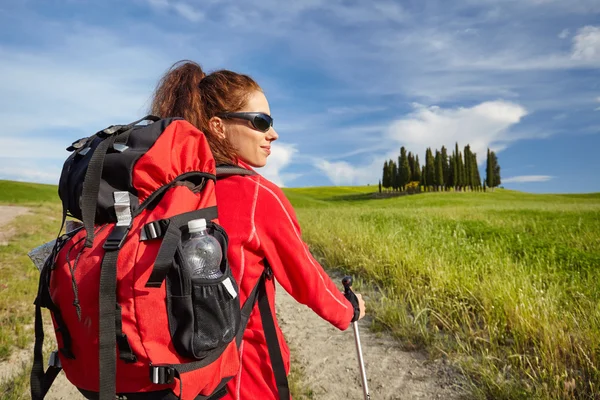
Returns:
(257,163)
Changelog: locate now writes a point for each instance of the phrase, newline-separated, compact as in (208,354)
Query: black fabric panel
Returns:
(70,189)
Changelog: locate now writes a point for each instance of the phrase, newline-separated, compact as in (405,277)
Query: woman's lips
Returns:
(266,149)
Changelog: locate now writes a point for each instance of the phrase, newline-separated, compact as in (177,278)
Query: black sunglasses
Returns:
(260,121)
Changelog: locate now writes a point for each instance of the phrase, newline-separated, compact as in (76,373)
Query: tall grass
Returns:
(504,283)
(18,286)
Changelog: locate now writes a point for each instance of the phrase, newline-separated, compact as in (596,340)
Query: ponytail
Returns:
(186,91)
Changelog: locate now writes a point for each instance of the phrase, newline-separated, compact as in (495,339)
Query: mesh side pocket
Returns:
(204,315)
(216,314)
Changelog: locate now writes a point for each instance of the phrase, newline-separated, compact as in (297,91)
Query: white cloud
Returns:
(586,45)
(184,10)
(481,126)
(564,34)
(189,12)
(19,170)
(527,179)
(355,110)
(280,158)
(24,148)
(342,173)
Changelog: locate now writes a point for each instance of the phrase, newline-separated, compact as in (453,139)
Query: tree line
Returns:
(441,172)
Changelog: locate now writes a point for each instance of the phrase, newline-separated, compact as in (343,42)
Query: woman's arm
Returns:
(291,261)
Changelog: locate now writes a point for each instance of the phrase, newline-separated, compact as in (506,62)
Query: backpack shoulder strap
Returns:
(271,336)
(224,171)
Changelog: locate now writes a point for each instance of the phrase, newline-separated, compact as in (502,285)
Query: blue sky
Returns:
(349,83)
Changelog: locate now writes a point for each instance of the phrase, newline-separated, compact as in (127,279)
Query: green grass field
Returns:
(505,284)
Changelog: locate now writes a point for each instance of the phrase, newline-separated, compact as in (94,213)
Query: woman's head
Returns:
(230,109)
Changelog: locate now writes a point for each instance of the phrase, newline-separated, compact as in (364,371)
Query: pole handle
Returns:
(349,294)
(347,282)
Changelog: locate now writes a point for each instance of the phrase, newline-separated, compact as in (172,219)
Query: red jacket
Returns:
(261,223)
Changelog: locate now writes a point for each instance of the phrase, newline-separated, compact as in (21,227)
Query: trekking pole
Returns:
(347,282)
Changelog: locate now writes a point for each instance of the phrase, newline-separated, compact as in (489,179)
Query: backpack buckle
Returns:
(111,130)
(116,238)
(162,374)
(54,360)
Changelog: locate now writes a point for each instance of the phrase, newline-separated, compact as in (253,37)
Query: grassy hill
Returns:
(504,285)
(23,192)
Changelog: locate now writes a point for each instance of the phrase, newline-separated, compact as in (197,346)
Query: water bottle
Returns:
(202,252)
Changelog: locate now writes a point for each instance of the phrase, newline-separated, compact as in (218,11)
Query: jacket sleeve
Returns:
(293,265)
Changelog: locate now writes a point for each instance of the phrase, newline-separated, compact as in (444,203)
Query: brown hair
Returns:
(186,91)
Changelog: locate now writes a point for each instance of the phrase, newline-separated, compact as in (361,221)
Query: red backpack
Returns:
(129,319)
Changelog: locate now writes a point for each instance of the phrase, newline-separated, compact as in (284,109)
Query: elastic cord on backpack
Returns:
(73,268)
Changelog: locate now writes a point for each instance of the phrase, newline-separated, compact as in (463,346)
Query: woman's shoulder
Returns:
(254,184)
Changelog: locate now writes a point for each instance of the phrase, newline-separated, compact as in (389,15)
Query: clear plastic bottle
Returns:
(202,252)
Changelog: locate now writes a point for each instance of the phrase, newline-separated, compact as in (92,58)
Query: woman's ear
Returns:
(217,127)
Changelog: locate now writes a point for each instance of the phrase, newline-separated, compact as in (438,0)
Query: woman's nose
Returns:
(272,134)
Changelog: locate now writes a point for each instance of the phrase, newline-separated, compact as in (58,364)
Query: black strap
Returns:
(268,323)
(107,329)
(125,352)
(37,379)
(91,188)
(49,377)
(40,381)
(224,171)
(66,350)
(171,239)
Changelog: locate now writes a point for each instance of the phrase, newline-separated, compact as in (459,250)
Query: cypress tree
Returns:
(476,176)
(468,182)
(424,178)
(400,173)
(379,186)
(417,175)
(404,169)
(489,170)
(411,165)
(439,170)
(458,177)
(429,168)
(386,177)
(394,175)
(497,180)
(451,167)
(445,167)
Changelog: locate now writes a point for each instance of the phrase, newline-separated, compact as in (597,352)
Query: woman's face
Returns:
(252,146)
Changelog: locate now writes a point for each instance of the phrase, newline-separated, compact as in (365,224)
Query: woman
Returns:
(234,114)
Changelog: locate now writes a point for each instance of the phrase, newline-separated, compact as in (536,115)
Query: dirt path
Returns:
(329,360)
(7,214)
(326,355)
